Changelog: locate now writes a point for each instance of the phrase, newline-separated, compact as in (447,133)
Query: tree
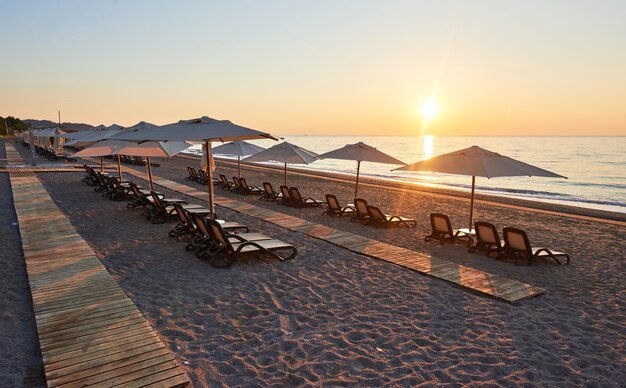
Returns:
(16,124)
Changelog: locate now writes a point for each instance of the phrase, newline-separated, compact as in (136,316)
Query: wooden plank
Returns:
(82,310)
(104,364)
(136,332)
(83,325)
(96,354)
(66,296)
(110,334)
(86,324)
(73,321)
(51,284)
(159,380)
(78,354)
(63,304)
(128,374)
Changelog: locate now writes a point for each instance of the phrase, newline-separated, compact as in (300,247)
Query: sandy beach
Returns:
(332,317)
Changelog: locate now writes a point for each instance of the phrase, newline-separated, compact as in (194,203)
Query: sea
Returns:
(595,167)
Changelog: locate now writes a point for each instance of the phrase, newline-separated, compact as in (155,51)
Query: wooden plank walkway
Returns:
(15,163)
(467,278)
(90,332)
(13,156)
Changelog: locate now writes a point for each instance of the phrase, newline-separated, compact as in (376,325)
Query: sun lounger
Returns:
(164,207)
(360,211)
(203,178)
(120,191)
(335,209)
(237,186)
(141,198)
(198,238)
(517,245)
(442,229)
(298,201)
(186,226)
(206,245)
(100,183)
(245,189)
(193,174)
(225,184)
(110,187)
(226,252)
(268,192)
(381,220)
(487,239)
(91,178)
(285,198)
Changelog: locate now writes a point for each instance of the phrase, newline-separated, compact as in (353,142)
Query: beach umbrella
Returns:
(72,135)
(105,133)
(475,161)
(43,136)
(93,137)
(58,141)
(360,152)
(284,153)
(147,149)
(239,148)
(140,126)
(31,141)
(205,130)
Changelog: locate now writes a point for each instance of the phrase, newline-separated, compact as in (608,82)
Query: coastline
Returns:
(334,317)
(486,199)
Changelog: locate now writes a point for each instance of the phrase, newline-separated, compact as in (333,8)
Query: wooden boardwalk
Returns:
(15,163)
(467,278)
(90,332)
(13,156)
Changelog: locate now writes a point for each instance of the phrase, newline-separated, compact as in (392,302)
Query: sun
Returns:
(429,110)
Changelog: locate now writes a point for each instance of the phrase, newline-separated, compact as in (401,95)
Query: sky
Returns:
(325,67)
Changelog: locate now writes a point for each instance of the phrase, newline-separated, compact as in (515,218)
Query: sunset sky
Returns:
(321,67)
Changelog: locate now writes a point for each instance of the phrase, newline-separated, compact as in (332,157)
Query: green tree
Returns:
(16,124)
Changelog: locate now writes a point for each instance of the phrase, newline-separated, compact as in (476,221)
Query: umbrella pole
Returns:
(285,173)
(119,167)
(472,203)
(149,172)
(210,174)
(238,166)
(101,164)
(356,186)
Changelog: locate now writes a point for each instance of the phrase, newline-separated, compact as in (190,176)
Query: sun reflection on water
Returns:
(428,146)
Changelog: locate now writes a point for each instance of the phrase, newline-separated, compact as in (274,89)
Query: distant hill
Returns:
(64,126)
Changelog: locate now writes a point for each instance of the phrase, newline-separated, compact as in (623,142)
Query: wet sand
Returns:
(333,317)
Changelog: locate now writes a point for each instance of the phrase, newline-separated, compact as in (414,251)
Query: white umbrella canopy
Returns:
(140,126)
(203,129)
(286,153)
(73,135)
(199,130)
(239,148)
(46,132)
(120,147)
(94,136)
(360,152)
(147,149)
(476,161)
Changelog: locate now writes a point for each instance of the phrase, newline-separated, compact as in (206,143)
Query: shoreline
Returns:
(334,317)
(597,215)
